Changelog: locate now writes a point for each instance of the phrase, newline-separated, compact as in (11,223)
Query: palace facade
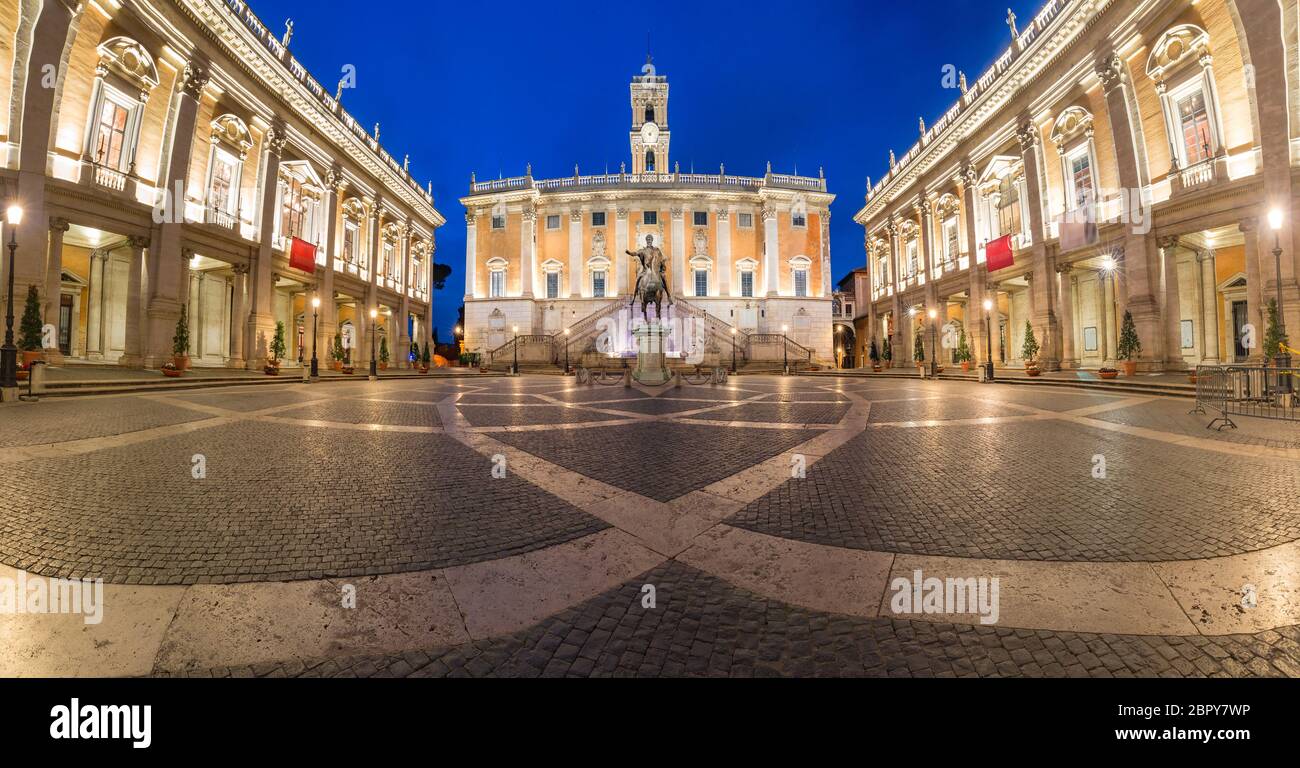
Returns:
(752,254)
(1129,153)
(169,154)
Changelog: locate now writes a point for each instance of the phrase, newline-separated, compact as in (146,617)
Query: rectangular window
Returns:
(1194,121)
(498,221)
(913,258)
(801,282)
(386,265)
(497,284)
(598,218)
(798,219)
(650,217)
(745,220)
(747,284)
(553,222)
(221,195)
(552,285)
(598,283)
(1009,208)
(952,243)
(701,218)
(701,282)
(110,141)
(1081,180)
(350,242)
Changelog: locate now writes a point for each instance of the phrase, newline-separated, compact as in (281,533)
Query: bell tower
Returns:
(649,136)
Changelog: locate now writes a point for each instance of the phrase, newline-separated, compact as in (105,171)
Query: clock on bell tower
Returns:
(650,135)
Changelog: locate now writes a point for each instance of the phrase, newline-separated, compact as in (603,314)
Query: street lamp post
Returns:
(315,333)
(785,350)
(733,350)
(9,352)
(988,339)
(374,331)
(1282,360)
(514,368)
(566,351)
(934,350)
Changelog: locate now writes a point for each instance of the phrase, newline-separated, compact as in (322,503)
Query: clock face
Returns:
(650,134)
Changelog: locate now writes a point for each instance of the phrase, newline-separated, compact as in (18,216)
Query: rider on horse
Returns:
(652,260)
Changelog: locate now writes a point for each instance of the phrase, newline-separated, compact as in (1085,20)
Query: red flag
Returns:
(302,255)
(998,254)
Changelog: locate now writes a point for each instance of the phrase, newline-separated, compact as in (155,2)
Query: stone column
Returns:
(679,251)
(1106,317)
(900,350)
(528,221)
(404,306)
(622,264)
(51,294)
(1043,285)
(1141,260)
(722,220)
(1256,302)
(1172,305)
(132,356)
(334,186)
(471,253)
(238,315)
(1209,305)
(825,241)
(97,294)
(575,254)
(376,242)
(1065,286)
(261,321)
(772,254)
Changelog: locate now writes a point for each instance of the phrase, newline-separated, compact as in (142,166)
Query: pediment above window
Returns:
(129,59)
(1071,124)
(233,133)
(1176,48)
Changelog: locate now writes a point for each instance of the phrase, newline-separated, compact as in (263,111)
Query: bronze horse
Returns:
(651,287)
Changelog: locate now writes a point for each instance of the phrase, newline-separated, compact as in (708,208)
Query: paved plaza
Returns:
(531,526)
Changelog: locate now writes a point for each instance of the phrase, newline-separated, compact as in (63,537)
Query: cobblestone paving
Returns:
(661,407)
(781,413)
(1025,491)
(278,503)
(409,414)
(53,421)
(248,400)
(658,460)
(939,408)
(507,416)
(702,626)
(1173,416)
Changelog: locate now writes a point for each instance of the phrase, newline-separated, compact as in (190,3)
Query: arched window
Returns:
(649,113)
(649,161)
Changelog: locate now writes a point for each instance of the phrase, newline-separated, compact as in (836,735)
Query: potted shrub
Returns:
(336,352)
(277,350)
(918,352)
(29,336)
(1274,339)
(1108,373)
(1130,346)
(383,353)
(181,343)
(874,354)
(887,353)
(424,360)
(1029,351)
(963,351)
(414,356)
(171,371)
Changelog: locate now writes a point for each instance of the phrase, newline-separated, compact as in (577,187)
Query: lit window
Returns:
(747,284)
(952,243)
(701,282)
(801,282)
(497,284)
(1081,186)
(552,285)
(649,161)
(598,283)
(1009,207)
(1194,121)
(913,258)
(222,193)
(350,235)
(110,141)
(297,209)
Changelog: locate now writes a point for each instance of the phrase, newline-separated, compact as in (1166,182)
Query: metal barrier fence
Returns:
(1240,390)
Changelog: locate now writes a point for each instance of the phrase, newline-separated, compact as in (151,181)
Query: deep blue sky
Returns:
(490,86)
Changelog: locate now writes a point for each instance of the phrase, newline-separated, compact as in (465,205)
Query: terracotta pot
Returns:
(182,362)
(965,366)
(875,369)
(20,375)
(424,369)
(272,368)
(32,356)
(1032,370)
(1129,367)
(172,373)
(337,365)
(383,366)
(347,370)
(1108,375)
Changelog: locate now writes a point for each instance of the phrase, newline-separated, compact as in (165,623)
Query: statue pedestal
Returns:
(650,367)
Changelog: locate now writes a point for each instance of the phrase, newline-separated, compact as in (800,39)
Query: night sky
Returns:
(491,86)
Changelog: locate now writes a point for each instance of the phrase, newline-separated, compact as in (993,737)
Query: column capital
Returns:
(1167,243)
(1027,135)
(138,242)
(196,77)
(239,269)
(1110,70)
(276,138)
(58,224)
